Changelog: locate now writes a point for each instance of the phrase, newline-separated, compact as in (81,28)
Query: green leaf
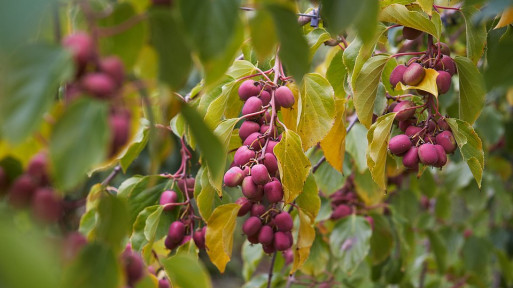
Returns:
(426,5)
(30,80)
(399,14)
(187,271)
(377,138)
(476,34)
(95,267)
(82,128)
(498,72)
(112,221)
(208,143)
(339,15)
(472,89)
(316,38)
(206,196)
(138,238)
(370,193)
(294,51)
(361,52)
(251,256)
(128,43)
(470,145)
(309,200)
(366,88)
(219,236)
(382,240)
(318,259)
(367,20)
(316,109)
(475,254)
(263,34)
(336,74)
(168,40)
(356,146)
(293,164)
(350,242)
(136,146)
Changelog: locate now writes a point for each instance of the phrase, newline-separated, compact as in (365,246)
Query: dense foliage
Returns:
(197,143)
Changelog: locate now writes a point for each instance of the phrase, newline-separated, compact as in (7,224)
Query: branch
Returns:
(111,176)
(271,268)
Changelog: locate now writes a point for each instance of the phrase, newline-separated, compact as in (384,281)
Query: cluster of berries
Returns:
(32,189)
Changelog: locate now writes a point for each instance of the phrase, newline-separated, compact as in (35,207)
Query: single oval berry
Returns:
(442,124)
(176,232)
(168,197)
(265,97)
(270,146)
(99,85)
(404,110)
(37,169)
(444,48)
(399,144)
(81,47)
(443,82)
(120,128)
(281,241)
(266,118)
(403,125)
(252,226)
(414,133)
(414,74)
(133,265)
(271,163)
(446,139)
(273,191)
(427,154)
(269,249)
(46,206)
(257,210)
(248,89)
(252,105)
(283,222)
(199,237)
(113,67)
(163,282)
(233,177)
(411,158)
(255,141)
(251,190)
(411,33)
(190,185)
(245,206)
(247,128)
(266,235)
(442,156)
(397,75)
(259,174)
(284,97)
(22,191)
(446,64)
(271,132)
(243,155)
(341,211)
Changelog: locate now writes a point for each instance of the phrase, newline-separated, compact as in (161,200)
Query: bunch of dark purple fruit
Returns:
(32,189)
(255,167)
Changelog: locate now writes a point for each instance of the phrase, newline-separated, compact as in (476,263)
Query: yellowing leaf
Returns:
(305,239)
(316,109)
(334,144)
(428,84)
(368,190)
(377,150)
(292,163)
(219,236)
(366,87)
(399,14)
(426,5)
(506,18)
(308,201)
(470,145)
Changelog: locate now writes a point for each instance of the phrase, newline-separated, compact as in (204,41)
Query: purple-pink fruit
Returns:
(190,185)
(259,174)
(270,146)
(243,155)
(446,139)
(443,82)
(253,239)
(257,210)
(37,168)
(399,144)
(247,128)
(397,75)
(248,89)
(431,126)
(370,221)
(341,211)
(442,124)
(413,131)
(168,197)
(411,158)
(266,235)
(120,128)
(133,265)
(442,156)
(245,206)
(81,47)
(252,226)
(404,110)
(46,206)
(233,177)
(283,222)
(265,97)
(255,141)
(281,241)
(264,128)
(403,125)
(113,67)
(273,191)
(266,118)
(252,105)
(199,237)
(269,249)
(163,282)
(4,180)
(414,74)
(444,48)
(411,33)
(251,190)
(284,97)
(428,154)
(176,232)
(271,163)
(21,191)
(446,64)
(428,138)
(99,84)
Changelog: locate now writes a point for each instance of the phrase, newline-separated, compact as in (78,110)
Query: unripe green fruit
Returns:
(341,211)
(266,235)
(113,67)
(284,97)
(176,232)
(168,197)
(99,85)
(252,105)
(399,144)
(251,190)
(265,97)
(252,226)
(248,89)
(397,75)
(443,82)
(428,154)
(257,210)
(281,241)
(446,139)
(442,156)
(283,222)
(404,110)
(46,206)
(273,191)
(245,206)
(233,177)
(255,141)
(411,33)
(259,174)
(243,155)
(411,158)
(414,74)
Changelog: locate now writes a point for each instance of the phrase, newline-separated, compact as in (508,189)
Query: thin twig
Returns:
(111,31)
(271,268)
(111,176)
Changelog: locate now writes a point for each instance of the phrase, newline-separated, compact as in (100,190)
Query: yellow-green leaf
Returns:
(426,5)
(506,18)
(377,150)
(293,164)
(309,201)
(427,84)
(206,196)
(219,236)
(316,109)
(305,239)
(470,145)
(476,34)
(366,88)
(263,34)
(399,14)
(368,190)
(472,89)
(334,144)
